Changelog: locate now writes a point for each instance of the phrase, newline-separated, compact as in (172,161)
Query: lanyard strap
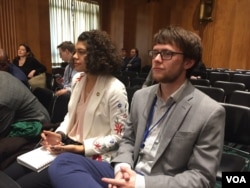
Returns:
(150,118)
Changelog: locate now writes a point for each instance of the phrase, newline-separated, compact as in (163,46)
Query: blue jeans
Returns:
(77,171)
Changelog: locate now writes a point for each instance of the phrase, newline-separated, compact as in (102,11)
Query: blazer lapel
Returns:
(77,87)
(95,99)
(173,123)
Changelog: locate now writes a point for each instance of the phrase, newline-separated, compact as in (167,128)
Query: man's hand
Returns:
(61,92)
(125,178)
(59,79)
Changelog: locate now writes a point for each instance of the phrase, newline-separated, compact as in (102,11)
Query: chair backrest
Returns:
(124,79)
(229,88)
(146,69)
(7,182)
(130,93)
(221,76)
(137,82)
(45,97)
(237,127)
(217,94)
(58,71)
(240,98)
(130,74)
(143,75)
(60,108)
(243,78)
(201,82)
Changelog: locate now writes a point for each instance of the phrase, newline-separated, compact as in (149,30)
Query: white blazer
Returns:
(105,117)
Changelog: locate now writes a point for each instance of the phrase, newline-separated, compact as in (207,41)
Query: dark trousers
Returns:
(77,171)
(27,178)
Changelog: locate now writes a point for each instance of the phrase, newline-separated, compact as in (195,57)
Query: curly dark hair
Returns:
(102,57)
(187,41)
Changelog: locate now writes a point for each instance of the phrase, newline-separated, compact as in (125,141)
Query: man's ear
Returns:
(188,63)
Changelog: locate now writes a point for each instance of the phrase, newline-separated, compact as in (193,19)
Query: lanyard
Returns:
(150,118)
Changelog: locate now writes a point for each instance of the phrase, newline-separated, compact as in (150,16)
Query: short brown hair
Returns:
(188,42)
(67,45)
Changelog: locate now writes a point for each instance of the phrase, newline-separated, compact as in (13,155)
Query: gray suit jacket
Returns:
(191,143)
(19,101)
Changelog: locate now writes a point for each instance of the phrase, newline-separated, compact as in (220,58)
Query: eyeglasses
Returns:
(165,54)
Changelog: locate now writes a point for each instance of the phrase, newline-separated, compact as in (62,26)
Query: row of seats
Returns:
(236,152)
(237,128)
(227,92)
(232,90)
(225,76)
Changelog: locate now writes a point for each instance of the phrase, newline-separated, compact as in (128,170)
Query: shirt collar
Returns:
(174,96)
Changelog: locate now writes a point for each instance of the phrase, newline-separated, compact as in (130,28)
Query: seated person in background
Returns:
(26,61)
(165,143)
(63,86)
(97,111)
(5,65)
(199,72)
(124,58)
(134,62)
(17,106)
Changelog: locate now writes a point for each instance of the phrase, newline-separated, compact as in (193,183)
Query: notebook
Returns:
(37,159)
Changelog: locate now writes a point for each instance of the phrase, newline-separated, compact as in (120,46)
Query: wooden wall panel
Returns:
(225,40)
(44,34)
(133,23)
(8,27)
(240,37)
(222,37)
(26,21)
(143,38)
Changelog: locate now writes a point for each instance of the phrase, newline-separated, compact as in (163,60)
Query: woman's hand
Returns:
(50,139)
(59,148)
(31,74)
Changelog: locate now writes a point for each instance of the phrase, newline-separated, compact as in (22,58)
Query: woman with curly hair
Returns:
(97,110)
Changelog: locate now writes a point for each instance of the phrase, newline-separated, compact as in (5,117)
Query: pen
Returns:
(40,141)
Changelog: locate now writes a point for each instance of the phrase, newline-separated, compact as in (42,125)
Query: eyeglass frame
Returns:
(172,53)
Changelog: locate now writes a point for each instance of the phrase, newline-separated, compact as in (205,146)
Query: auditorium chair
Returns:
(218,76)
(240,98)
(237,130)
(217,94)
(7,182)
(200,82)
